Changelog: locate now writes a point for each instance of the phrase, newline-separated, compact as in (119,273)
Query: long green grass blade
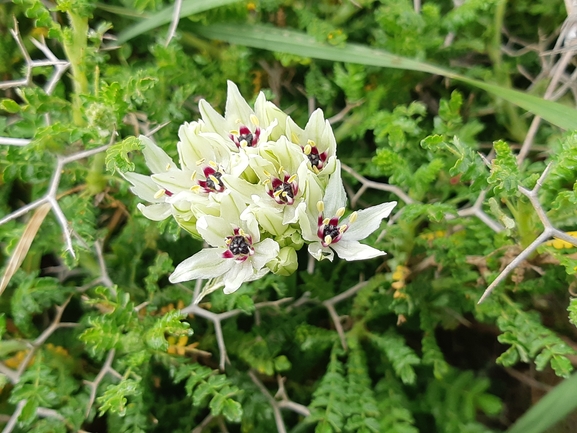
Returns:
(189,7)
(551,409)
(293,42)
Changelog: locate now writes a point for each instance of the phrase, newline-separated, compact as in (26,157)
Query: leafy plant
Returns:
(431,106)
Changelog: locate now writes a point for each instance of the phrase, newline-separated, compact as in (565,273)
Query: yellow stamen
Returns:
(159,193)
(167,167)
(195,188)
(343,228)
(266,173)
(200,161)
(328,239)
(340,212)
(214,179)
(193,175)
(292,178)
(213,164)
(254,120)
(307,150)
(353,217)
(311,143)
(235,132)
(277,193)
(320,206)
(295,138)
(326,221)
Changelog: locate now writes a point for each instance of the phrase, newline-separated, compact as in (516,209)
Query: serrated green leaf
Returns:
(117,155)
(171,323)
(504,177)
(114,398)
(10,106)
(282,363)
(399,355)
(232,410)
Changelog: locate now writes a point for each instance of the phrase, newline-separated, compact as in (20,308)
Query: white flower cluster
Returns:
(255,187)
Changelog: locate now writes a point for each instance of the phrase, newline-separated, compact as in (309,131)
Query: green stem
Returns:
(526,223)
(75,49)
(95,180)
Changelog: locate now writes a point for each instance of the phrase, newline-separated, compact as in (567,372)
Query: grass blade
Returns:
(189,7)
(551,409)
(301,44)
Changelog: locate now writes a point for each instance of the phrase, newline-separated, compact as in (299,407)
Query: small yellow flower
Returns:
(558,244)
(15,361)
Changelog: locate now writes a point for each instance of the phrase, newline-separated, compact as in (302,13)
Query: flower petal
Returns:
(214,230)
(155,212)
(239,273)
(214,122)
(352,250)
(156,158)
(205,264)
(368,220)
(264,252)
(174,181)
(237,110)
(143,186)
(335,196)
(319,252)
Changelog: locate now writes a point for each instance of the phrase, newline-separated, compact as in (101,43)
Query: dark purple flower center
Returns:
(284,191)
(316,159)
(239,246)
(245,137)
(213,182)
(328,229)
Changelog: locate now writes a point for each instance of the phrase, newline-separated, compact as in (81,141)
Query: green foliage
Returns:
(33,296)
(402,357)
(117,155)
(454,402)
(419,349)
(329,407)
(531,340)
(114,399)
(505,176)
(204,387)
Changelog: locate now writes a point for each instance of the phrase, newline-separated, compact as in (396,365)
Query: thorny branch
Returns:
(14,376)
(60,67)
(216,319)
(548,232)
(51,195)
(106,368)
(277,405)
(174,22)
(330,306)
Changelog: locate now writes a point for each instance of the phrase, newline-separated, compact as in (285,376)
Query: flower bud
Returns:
(285,263)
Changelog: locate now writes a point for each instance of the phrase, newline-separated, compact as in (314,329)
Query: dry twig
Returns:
(548,232)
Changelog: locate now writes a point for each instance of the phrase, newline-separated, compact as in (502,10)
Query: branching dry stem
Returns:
(548,232)
(216,319)
(330,306)
(51,195)
(277,405)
